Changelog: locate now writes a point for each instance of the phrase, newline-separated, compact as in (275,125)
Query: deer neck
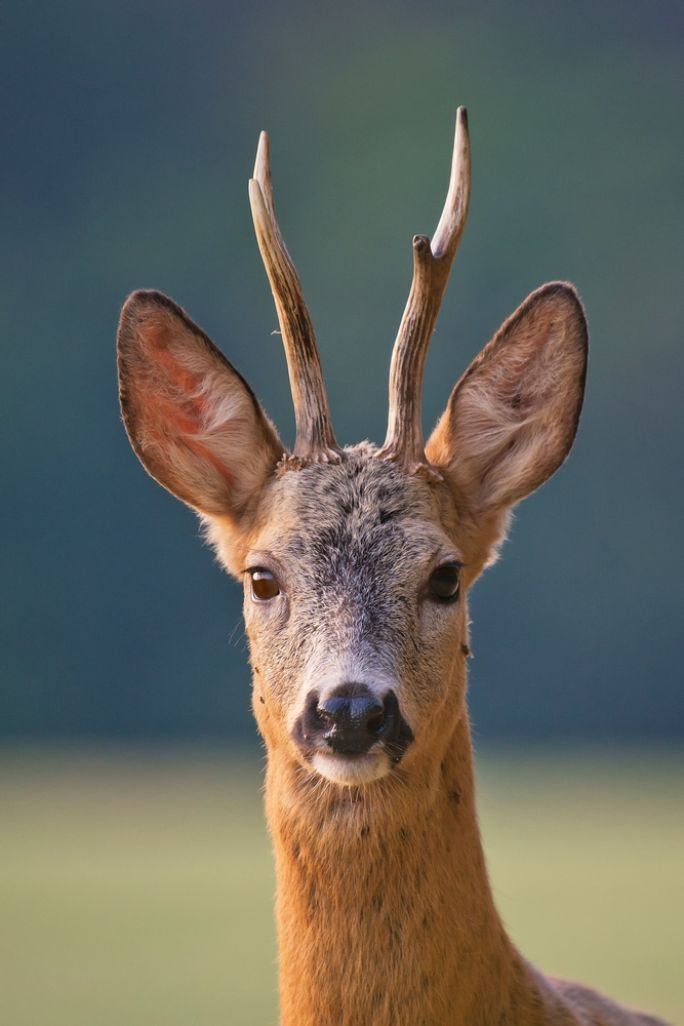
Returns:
(385,913)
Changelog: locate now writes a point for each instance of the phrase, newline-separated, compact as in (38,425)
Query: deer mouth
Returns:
(351,770)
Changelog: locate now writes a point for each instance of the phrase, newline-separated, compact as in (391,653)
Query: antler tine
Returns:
(315,441)
(431,267)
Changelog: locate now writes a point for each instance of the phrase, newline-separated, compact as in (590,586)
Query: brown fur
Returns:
(385,912)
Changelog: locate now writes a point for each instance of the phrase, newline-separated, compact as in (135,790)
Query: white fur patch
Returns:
(352,770)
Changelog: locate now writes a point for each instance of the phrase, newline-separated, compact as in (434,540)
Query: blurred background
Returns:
(135,877)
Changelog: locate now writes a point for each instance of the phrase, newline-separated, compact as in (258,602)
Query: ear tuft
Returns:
(193,421)
(512,417)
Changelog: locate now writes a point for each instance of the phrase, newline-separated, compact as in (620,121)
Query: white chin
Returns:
(351,769)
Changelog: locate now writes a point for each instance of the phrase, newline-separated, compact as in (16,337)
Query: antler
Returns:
(431,267)
(315,441)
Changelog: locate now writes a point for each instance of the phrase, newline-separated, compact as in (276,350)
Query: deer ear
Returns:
(511,419)
(194,423)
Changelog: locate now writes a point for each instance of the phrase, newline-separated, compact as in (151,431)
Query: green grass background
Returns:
(136,886)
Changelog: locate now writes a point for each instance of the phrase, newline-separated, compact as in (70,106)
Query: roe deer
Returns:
(357,564)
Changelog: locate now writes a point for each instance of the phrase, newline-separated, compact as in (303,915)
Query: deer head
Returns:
(356,561)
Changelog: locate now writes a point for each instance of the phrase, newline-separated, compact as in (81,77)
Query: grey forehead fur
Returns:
(369,530)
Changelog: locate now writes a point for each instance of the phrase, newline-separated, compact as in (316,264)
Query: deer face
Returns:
(355,614)
(356,562)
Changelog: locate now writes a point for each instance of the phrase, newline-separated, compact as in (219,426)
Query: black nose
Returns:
(351,721)
(347,721)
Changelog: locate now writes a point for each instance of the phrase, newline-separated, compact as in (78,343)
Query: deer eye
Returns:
(264,585)
(444,581)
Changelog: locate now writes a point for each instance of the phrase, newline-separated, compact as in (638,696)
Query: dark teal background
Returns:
(129,135)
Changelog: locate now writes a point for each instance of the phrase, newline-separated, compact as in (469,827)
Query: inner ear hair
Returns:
(512,417)
(193,421)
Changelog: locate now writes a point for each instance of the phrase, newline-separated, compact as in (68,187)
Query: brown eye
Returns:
(264,585)
(443,586)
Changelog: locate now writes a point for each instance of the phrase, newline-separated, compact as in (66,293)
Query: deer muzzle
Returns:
(351,720)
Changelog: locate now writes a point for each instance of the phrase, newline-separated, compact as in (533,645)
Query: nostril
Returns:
(326,715)
(376,721)
(310,723)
